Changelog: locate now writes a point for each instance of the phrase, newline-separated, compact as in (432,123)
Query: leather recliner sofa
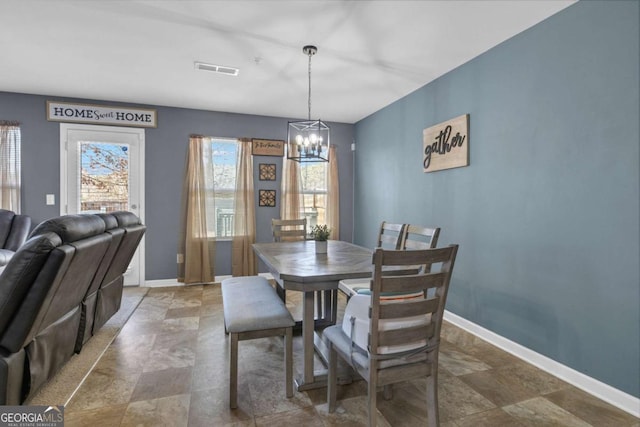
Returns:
(105,294)
(14,229)
(50,292)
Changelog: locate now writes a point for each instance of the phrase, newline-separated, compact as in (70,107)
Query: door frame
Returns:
(64,130)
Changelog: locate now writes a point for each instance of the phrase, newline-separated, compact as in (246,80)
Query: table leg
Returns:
(330,306)
(319,314)
(311,342)
(307,336)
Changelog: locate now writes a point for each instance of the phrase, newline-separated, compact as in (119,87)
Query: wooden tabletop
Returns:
(298,262)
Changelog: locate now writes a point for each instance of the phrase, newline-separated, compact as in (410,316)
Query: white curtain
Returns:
(292,201)
(196,251)
(243,259)
(291,190)
(10,183)
(333,195)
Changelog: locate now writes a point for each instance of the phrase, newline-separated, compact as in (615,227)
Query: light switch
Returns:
(51,199)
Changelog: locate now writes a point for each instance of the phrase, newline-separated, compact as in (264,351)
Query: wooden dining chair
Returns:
(286,230)
(390,236)
(403,335)
(411,237)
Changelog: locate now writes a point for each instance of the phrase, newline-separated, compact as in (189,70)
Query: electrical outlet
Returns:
(51,199)
(180,258)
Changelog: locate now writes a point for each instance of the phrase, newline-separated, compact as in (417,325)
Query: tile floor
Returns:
(169,367)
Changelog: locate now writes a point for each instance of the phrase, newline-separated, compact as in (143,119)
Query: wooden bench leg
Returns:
(288,361)
(233,372)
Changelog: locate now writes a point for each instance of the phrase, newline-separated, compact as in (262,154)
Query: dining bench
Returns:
(253,309)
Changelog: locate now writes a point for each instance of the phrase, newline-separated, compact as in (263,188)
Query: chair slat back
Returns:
(285,230)
(412,283)
(406,335)
(409,308)
(390,235)
(418,237)
(420,319)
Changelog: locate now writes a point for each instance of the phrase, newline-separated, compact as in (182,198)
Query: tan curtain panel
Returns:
(196,249)
(10,183)
(333,195)
(291,190)
(243,260)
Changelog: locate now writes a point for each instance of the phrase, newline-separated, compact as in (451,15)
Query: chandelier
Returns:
(308,140)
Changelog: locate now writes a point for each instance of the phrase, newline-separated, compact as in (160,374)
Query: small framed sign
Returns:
(267,147)
(446,145)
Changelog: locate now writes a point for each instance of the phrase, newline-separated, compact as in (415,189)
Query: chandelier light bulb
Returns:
(313,137)
(299,139)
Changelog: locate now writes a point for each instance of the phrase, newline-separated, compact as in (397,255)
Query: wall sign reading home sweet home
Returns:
(446,145)
(101,115)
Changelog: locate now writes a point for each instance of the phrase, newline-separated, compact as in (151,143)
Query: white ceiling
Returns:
(370,53)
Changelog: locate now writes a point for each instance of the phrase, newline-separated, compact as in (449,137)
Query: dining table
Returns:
(296,266)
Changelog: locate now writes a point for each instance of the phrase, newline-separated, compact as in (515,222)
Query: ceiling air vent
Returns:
(230,71)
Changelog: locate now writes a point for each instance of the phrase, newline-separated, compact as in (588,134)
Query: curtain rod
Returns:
(9,123)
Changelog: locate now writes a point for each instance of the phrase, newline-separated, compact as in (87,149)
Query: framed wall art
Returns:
(267,171)
(267,198)
(446,145)
(267,147)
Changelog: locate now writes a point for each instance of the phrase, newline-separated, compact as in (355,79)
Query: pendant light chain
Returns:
(310,55)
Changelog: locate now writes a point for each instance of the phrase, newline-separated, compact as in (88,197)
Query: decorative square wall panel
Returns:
(267,172)
(267,198)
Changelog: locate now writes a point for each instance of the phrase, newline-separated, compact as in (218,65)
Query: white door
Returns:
(102,170)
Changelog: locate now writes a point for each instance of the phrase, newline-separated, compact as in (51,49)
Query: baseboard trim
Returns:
(602,391)
(161,283)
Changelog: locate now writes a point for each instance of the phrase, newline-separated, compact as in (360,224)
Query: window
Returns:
(10,166)
(104,176)
(220,181)
(313,178)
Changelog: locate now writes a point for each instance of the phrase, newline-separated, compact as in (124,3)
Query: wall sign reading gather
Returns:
(446,145)
(100,114)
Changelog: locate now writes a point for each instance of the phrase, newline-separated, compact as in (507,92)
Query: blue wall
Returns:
(165,148)
(546,214)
